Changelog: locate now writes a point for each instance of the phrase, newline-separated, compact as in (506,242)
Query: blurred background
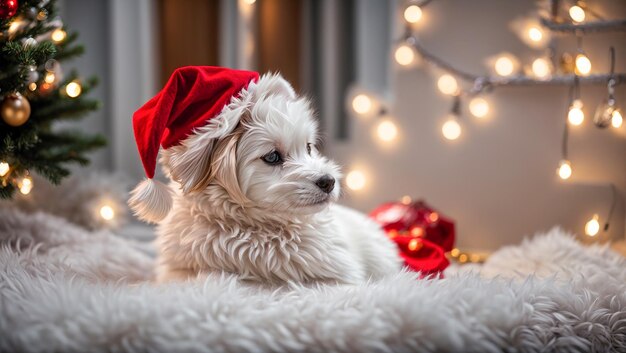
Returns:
(497,180)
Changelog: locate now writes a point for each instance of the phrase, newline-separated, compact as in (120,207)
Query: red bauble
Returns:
(422,234)
(8,8)
(422,255)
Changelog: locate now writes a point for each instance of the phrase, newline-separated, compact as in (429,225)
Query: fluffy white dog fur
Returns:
(235,212)
(65,289)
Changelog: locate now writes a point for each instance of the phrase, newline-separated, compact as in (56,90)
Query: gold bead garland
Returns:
(457,255)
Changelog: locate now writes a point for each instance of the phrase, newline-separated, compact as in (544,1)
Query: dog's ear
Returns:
(209,160)
(190,162)
(188,165)
(223,168)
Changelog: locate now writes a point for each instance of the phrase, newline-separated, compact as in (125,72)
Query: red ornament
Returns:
(8,8)
(422,234)
(425,257)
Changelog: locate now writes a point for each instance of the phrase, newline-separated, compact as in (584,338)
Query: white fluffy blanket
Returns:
(64,289)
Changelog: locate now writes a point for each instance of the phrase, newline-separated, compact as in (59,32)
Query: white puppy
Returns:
(262,206)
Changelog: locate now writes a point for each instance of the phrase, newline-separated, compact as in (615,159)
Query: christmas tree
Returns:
(34,94)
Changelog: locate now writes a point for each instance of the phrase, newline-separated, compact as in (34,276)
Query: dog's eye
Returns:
(272,158)
(308,148)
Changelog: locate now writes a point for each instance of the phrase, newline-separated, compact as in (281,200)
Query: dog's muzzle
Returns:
(326,183)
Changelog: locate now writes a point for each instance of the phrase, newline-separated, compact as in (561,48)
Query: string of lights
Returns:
(568,69)
(505,69)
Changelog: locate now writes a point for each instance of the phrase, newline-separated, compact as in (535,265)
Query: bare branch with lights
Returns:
(571,69)
(587,27)
(482,83)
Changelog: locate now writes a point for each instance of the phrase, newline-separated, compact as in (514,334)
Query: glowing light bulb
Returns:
(531,32)
(535,34)
(73,89)
(504,66)
(575,115)
(451,129)
(42,15)
(249,2)
(49,78)
(479,107)
(15,26)
(45,87)
(417,231)
(592,227)
(4,168)
(32,86)
(541,68)
(387,131)
(406,199)
(565,169)
(405,55)
(583,64)
(58,35)
(362,104)
(577,13)
(616,119)
(107,213)
(26,185)
(414,245)
(447,85)
(355,180)
(413,14)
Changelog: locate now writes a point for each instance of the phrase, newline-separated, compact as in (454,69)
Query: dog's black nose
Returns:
(326,183)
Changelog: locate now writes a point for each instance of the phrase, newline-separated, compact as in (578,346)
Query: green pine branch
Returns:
(35,146)
(7,191)
(64,110)
(16,61)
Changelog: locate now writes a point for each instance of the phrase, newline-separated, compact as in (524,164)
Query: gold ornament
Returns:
(15,109)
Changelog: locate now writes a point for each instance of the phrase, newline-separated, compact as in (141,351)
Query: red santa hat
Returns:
(194,98)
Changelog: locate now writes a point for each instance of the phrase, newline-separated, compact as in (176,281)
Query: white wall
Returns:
(93,34)
(119,40)
(133,57)
(498,180)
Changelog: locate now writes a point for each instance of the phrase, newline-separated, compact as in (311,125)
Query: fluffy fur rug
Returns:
(64,289)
